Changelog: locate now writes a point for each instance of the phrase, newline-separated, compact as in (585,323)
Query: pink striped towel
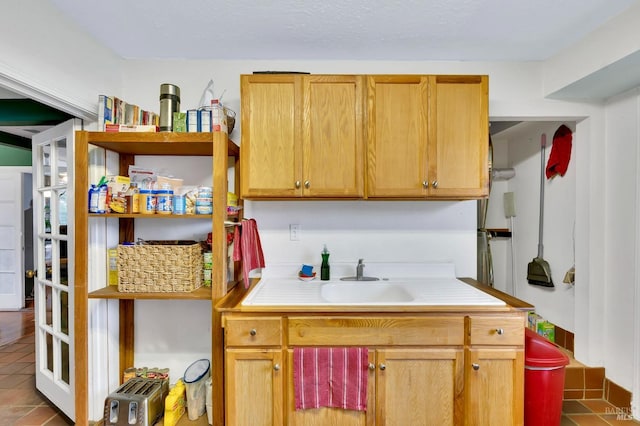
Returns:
(331,377)
(247,248)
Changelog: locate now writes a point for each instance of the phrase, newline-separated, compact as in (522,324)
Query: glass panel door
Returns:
(53,243)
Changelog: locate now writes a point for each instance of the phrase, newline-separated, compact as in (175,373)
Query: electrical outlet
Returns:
(294,232)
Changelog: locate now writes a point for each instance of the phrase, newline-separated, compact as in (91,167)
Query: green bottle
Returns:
(324,268)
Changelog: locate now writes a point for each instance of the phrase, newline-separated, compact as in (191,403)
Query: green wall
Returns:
(10,156)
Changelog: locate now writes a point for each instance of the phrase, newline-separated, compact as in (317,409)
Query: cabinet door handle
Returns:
(499,331)
(434,184)
(297,184)
(383,367)
(425,184)
(253,332)
(276,367)
(475,366)
(372,366)
(307,184)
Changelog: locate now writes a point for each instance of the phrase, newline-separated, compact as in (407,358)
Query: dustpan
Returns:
(538,270)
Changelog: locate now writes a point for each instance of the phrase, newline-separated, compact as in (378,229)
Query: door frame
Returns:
(21,170)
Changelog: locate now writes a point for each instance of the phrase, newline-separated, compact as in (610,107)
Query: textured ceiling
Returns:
(465,30)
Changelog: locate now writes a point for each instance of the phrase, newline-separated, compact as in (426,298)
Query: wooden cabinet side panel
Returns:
(333,136)
(271,150)
(419,386)
(80,279)
(459,138)
(397,136)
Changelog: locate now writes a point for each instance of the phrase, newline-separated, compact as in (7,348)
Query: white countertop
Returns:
(420,285)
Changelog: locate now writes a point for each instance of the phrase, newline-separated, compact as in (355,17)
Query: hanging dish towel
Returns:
(331,377)
(560,152)
(247,247)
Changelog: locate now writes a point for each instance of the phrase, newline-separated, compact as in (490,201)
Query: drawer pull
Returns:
(499,331)
(425,184)
(307,184)
(297,184)
(253,332)
(276,367)
(475,366)
(372,366)
(383,367)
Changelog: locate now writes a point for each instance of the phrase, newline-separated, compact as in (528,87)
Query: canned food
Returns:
(206,274)
(207,260)
(204,205)
(179,204)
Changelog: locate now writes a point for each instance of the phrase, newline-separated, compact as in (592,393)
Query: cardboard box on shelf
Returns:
(547,329)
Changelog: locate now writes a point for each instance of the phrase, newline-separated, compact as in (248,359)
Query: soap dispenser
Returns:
(324,268)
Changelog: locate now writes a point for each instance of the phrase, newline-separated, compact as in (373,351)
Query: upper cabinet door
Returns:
(458,137)
(271,145)
(397,136)
(332,136)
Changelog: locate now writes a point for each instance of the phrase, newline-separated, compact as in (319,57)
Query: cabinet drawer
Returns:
(381,331)
(253,332)
(496,330)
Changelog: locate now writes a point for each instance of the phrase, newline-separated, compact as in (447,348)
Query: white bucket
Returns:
(194,379)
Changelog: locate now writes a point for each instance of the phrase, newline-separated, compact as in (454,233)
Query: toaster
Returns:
(139,401)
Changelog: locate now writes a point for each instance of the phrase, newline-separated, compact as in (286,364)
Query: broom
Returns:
(538,270)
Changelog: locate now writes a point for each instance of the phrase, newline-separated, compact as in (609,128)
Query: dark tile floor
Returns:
(22,404)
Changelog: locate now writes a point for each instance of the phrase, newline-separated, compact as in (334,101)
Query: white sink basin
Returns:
(358,293)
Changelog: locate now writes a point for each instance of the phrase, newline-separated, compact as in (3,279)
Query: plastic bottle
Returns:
(93,199)
(133,198)
(103,190)
(324,268)
(218,117)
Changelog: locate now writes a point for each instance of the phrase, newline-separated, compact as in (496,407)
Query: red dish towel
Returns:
(331,377)
(247,247)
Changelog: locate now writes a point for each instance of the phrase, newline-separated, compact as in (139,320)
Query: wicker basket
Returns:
(160,267)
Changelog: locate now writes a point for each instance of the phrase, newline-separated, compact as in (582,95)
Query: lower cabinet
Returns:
(419,386)
(432,370)
(254,387)
(494,386)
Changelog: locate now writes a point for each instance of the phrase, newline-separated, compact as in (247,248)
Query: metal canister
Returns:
(169,103)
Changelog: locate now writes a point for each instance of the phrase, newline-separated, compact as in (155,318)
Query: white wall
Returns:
(521,147)
(42,52)
(620,172)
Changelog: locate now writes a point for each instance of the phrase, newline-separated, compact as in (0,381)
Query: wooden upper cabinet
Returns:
(458,136)
(397,136)
(428,136)
(271,135)
(302,136)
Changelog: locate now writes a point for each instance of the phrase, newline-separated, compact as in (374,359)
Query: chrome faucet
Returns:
(360,270)
(359,274)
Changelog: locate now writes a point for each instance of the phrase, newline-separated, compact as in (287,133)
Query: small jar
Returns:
(147,201)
